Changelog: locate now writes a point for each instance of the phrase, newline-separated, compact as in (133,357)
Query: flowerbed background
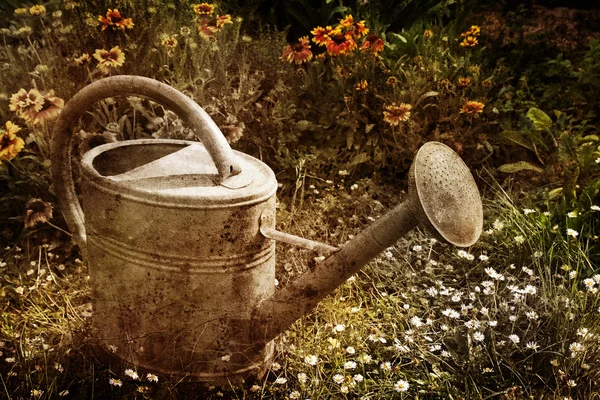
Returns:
(336,97)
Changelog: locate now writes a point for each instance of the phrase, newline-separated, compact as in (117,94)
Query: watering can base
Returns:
(117,364)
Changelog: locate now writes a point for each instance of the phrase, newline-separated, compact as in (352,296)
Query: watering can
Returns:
(180,239)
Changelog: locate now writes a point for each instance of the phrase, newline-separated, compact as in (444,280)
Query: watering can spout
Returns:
(442,196)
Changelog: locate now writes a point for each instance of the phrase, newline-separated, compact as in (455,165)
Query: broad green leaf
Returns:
(398,36)
(518,138)
(519,166)
(540,119)
(555,193)
(589,138)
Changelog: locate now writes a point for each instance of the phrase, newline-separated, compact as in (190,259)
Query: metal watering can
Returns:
(180,239)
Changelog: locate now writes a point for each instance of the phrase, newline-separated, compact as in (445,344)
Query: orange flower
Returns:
(392,81)
(203,9)
(10,143)
(486,83)
(83,59)
(50,109)
(26,103)
(474,30)
(38,211)
(374,43)
(395,114)
(362,85)
(428,34)
(469,41)
(109,59)
(298,53)
(472,107)
(222,20)
(464,81)
(113,18)
(339,43)
(170,42)
(356,29)
(207,28)
(321,35)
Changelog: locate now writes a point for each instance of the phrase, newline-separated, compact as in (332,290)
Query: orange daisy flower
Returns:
(392,81)
(26,103)
(374,43)
(321,35)
(50,109)
(472,107)
(339,43)
(469,41)
(38,212)
(362,85)
(10,143)
(207,28)
(464,81)
(203,9)
(109,59)
(395,114)
(356,29)
(298,53)
(113,18)
(428,34)
(170,42)
(474,30)
(222,20)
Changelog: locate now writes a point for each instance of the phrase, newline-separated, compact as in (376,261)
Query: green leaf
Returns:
(540,119)
(519,166)
(359,159)
(518,138)
(555,193)
(398,36)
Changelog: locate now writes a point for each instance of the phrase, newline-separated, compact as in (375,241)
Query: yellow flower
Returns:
(10,143)
(363,85)
(114,19)
(38,10)
(472,107)
(298,53)
(169,42)
(469,41)
(203,9)
(395,114)
(109,59)
(392,81)
(474,30)
(428,34)
(83,59)
(21,11)
(26,103)
(464,81)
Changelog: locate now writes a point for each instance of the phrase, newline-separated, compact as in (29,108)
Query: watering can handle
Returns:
(127,85)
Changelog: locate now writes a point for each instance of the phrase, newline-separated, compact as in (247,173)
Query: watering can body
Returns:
(175,258)
(179,237)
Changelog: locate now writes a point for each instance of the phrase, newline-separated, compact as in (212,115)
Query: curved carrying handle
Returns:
(127,85)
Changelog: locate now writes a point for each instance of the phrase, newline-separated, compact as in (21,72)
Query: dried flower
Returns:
(38,211)
(82,59)
(373,43)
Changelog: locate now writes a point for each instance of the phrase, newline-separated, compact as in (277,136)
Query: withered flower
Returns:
(38,211)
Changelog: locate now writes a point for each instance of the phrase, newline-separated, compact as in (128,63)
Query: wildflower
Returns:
(321,35)
(472,107)
(529,289)
(185,31)
(464,81)
(10,143)
(36,392)
(417,248)
(114,19)
(83,59)
(366,359)
(483,257)
(401,386)
(416,322)
(474,30)
(349,365)
(38,211)
(344,389)
(395,114)
(572,274)
(26,103)
(339,43)
(355,29)
(19,290)
(350,350)
(514,338)
(519,239)
(478,336)
(583,332)
(428,34)
(311,360)
(280,381)
(169,42)
(487,83)
(21,11)
(358,378)
(532,346)
(207,28)
(450,313)
(203,9)
(572,214)
(132,374)
(255,388)
(595,208)
(294,395)
(469,41)
(38,10)
(589,283)
(493,274)
(227,358)
(498,225)
(109,59)
(302,377)
(572,232)
(374,43)
(576,347)
(339,328)
(512,318)
(115,382)
(338,378)
(362,85)
(537,254)
(385,366)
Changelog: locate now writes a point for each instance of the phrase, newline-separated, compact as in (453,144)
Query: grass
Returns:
(500,319)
